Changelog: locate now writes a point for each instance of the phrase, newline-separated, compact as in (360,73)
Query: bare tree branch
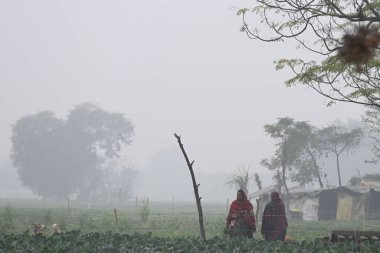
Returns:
(195,186)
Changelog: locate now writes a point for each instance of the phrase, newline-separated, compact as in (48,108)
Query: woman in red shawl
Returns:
(241,219)
(274,222)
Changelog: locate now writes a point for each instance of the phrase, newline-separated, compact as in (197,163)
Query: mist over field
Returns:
(169,67)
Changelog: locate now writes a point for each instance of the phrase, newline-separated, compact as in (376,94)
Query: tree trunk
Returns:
(284,178)
(279,182)
(195,186)
(338,168)
(283,165)
(316,168)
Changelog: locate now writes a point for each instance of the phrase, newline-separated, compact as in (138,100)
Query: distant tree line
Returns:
(300,147)
(301,150)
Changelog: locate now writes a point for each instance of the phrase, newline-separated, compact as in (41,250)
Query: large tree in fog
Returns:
(306,168)
(56,157)
(297,154)
(287,148)
(337,140)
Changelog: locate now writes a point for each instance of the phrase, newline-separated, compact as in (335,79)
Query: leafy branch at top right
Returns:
(343,33)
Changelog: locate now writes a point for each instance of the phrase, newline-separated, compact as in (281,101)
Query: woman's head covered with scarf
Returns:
(241,196)
(275,196)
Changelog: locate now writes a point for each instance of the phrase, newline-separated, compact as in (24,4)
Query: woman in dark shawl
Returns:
(241,219)
(274,222)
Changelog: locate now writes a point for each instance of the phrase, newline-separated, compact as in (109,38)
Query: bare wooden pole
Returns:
(257,208)
(195,186)
(116,217)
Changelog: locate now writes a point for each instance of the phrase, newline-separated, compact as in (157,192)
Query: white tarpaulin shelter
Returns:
(338,203)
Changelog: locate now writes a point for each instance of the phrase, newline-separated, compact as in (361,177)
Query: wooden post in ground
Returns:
(116,217)
(68,205)
(258,223)
(257,208)
(364,228)
(195,186)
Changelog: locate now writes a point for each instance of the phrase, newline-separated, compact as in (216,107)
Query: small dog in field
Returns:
(38,229)
(289,239)
(56,228)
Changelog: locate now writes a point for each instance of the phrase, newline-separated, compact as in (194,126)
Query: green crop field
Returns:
(74,241)
(158,227)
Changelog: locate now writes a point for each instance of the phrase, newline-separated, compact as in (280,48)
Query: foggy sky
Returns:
(169,66)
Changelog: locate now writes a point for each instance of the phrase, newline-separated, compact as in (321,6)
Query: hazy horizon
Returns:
(169,66)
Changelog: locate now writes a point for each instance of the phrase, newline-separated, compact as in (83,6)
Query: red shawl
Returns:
(241,208)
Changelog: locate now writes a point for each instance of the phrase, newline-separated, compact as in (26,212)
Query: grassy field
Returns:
(154,227)
(160,219)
